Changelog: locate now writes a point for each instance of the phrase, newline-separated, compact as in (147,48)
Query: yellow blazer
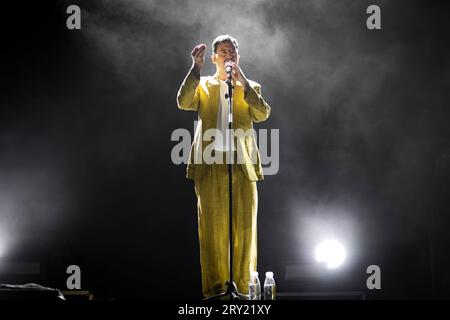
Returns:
(202,95)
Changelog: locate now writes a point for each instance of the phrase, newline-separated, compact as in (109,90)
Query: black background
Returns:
(86,117)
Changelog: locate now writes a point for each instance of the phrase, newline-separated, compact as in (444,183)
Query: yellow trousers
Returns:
(213,228)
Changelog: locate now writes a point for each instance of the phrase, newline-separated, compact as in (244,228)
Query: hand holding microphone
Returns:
(234,71)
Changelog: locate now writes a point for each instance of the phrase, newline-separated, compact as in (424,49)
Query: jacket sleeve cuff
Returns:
(252,97)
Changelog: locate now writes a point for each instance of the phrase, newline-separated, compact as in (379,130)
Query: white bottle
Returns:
(254,287)
(269,287)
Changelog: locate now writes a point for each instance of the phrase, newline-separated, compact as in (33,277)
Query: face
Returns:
(225,52)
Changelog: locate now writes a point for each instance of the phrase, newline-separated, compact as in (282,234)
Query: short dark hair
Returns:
(224,38)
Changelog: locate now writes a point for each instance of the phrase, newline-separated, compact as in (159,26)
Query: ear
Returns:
(213,58)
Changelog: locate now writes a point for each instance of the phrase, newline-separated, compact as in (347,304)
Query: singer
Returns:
(206,95)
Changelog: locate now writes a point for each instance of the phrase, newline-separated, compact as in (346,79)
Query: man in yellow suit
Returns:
(207,96)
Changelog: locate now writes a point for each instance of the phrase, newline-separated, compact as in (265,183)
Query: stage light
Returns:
(330,252)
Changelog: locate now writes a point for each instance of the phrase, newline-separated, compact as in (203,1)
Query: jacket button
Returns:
(213,138)
(213,153)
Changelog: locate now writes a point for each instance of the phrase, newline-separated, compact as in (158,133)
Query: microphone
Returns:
(228,69)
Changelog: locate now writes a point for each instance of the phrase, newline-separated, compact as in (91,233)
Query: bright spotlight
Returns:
(330,252)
